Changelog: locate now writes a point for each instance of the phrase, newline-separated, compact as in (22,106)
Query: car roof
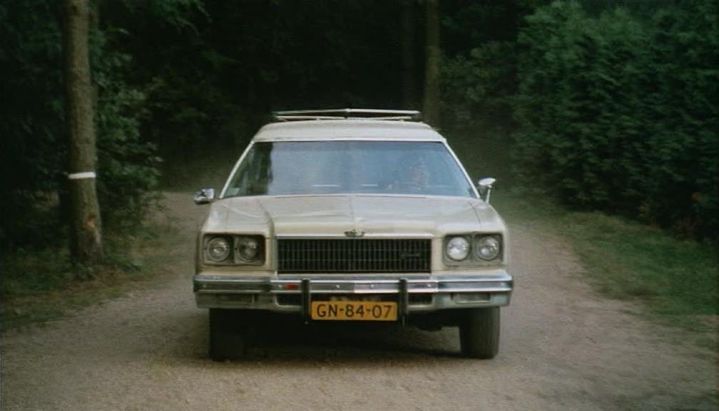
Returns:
(353,129)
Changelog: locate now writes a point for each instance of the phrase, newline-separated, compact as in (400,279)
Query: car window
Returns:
(335,167)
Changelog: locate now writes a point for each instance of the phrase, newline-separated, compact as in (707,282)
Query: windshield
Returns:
(339,167)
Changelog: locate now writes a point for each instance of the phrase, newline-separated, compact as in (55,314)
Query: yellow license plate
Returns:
(354,310)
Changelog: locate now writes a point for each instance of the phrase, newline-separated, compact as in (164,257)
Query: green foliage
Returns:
(38,285)
(214,81)
(628,260)
(619,113)
(33,159)
(31,126)
(479,76)
(478,88)
(127,164)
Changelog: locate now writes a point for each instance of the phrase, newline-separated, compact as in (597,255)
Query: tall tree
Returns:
(432,55)
(85,225)
(409,86)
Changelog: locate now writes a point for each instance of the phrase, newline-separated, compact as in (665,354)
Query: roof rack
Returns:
(347,113)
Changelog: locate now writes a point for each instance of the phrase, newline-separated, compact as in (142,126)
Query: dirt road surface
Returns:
(563,347)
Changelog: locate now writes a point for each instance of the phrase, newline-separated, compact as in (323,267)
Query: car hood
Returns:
(362,215)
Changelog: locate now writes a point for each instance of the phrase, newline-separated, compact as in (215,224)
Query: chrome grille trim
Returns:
(297,256)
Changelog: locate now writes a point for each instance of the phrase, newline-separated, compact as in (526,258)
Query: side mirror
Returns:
(485,186)
(204,196)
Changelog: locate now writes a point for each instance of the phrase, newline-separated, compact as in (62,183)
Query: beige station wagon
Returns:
(355,216)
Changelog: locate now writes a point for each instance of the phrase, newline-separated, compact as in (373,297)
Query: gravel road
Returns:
(563,347)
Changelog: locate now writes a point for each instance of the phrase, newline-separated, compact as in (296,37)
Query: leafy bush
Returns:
(31,155)
(33,158)
(128,167)
(619,113)
(477,88)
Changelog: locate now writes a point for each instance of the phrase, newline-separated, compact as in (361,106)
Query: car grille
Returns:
(354,256)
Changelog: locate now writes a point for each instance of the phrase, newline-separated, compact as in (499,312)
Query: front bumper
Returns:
(414,293)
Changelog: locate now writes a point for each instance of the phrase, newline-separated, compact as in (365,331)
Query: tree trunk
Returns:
(409,84)
(431,77)
(85,224)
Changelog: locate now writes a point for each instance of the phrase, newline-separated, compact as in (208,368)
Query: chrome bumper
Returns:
(413,293)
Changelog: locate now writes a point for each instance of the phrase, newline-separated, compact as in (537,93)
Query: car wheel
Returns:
(479,333)
(228,335)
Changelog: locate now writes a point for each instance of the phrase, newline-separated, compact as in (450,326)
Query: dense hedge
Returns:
(620,112)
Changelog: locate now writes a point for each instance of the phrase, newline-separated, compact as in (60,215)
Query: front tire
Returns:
(479,333)
(227,336)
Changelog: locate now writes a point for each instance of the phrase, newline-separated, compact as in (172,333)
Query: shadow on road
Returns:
(276,337)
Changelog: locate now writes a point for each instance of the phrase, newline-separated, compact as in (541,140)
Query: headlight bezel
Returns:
(235,256)
(481,241)
(448,242)
(247,242)
(476,240)
(218,241)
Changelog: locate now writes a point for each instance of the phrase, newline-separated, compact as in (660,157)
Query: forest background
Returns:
(602,105)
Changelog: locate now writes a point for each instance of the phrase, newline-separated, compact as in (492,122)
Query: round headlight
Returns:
(218,249)
(457,248)
(488,248)
(247,248)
